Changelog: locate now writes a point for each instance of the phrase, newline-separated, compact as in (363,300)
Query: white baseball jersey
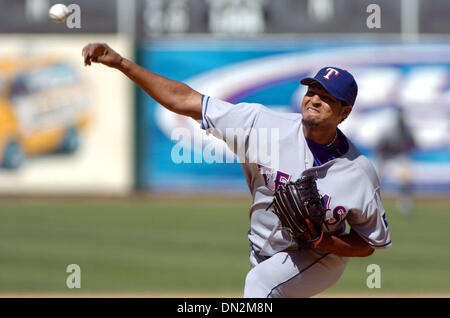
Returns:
(348,185)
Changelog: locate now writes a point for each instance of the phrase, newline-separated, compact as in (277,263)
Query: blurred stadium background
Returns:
(87,175)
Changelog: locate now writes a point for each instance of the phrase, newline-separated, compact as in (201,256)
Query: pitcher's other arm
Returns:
(349,245)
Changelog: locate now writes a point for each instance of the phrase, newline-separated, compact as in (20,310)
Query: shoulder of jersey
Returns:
(281,115)
(363,163)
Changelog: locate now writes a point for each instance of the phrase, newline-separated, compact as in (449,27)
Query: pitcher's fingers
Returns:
(86,49)
(83,51)
(311,227)
(87,58)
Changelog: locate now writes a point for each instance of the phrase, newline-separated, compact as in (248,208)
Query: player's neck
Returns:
(321,136)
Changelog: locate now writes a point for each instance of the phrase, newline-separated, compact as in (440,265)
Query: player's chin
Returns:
(310,122)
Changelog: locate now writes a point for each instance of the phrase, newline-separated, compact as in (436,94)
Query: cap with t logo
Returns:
(337,82)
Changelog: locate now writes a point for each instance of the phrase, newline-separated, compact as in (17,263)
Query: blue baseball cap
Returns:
(337,82)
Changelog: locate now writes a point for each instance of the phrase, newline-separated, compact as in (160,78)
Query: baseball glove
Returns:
(299,207)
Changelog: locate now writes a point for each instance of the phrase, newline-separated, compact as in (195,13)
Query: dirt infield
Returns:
(162,295)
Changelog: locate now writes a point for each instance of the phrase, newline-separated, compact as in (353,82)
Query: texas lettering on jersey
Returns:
(334,216)
(275,178)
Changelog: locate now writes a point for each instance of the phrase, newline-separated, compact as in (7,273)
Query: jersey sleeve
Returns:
(230,122)
(371,223)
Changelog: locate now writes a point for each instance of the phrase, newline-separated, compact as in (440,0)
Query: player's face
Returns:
(320,109)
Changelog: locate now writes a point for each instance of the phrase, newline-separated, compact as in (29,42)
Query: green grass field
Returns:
(190,246)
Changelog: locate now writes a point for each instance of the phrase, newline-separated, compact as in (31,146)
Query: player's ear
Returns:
(345,111)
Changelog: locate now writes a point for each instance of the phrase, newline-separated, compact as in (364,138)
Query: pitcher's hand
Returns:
(101,53)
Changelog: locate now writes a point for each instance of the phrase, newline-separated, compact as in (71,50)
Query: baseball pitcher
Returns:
(299,244)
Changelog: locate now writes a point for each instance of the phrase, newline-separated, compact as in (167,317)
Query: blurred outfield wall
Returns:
(391,75)
(246,50)
(71,126)
(265,70)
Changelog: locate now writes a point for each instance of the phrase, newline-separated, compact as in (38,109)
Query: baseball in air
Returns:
(58,13)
